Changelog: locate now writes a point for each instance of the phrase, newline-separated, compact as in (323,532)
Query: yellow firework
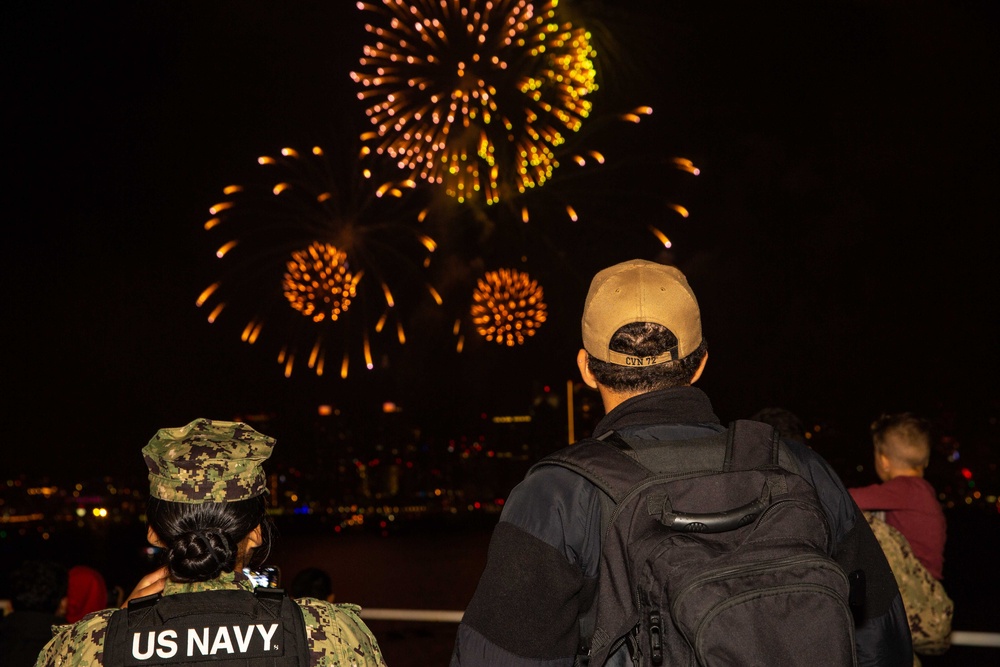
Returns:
(474,95)
(508,307)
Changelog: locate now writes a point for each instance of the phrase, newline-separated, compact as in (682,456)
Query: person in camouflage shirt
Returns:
(202,476)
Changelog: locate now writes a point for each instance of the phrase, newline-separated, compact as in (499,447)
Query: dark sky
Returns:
(842,236)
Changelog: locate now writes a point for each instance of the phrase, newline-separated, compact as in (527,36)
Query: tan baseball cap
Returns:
(640,291)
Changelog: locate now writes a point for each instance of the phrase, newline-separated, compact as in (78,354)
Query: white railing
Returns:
(958,637)
(961,638)
(432,615)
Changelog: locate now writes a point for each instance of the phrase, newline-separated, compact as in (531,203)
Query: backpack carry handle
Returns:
(715,522)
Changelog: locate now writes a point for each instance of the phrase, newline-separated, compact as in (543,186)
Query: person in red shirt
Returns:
(86,592)
(907,501)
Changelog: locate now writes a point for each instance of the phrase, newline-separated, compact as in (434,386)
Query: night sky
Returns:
(842,237)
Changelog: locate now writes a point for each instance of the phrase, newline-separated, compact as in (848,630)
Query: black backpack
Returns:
(713,554)
(220,628)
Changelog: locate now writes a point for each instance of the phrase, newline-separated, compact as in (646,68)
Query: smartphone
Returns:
(265,577)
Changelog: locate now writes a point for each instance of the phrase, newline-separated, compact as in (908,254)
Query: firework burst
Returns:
(320,255)
(508,307)
(475,96)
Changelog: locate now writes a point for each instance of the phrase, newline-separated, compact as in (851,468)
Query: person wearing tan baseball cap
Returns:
(643,350)
(641,332)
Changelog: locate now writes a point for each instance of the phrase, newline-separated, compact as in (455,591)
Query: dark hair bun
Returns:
(200,555)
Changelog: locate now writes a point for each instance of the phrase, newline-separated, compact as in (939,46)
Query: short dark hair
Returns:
(311,582)
(646,339)
(39,585)
(201,539)
(786,422)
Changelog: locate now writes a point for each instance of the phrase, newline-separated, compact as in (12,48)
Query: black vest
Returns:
(218,628)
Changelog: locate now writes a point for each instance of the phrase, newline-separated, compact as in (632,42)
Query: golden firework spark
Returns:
(474,95)
(318,282)
(321,253)
(508,307)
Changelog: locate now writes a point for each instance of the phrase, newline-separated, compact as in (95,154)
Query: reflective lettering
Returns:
(267,634)
(222,641)
(201,641)
(243,642)
(168,647)
(204,641)
(148,653)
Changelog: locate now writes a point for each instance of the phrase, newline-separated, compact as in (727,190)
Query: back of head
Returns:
(311,582)
(642,327)
(208,492)
(38,586)
(87,592)
(784,421)
(904,439)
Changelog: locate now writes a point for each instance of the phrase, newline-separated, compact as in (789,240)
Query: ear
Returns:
(583,363)
(63,605)
(701,369)
(152,537)
(254,538)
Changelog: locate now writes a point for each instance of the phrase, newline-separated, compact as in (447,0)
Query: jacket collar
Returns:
(225,581)
(677,405)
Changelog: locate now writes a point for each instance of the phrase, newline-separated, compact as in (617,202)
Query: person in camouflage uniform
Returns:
(209,464)
(929,610)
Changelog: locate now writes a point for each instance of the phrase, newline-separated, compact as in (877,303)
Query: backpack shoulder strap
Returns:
(613,466)
(608,462)
(751,444)
(118,627)
(279,604)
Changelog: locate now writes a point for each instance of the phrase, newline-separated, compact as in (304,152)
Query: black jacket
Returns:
(542,567)
(23,634)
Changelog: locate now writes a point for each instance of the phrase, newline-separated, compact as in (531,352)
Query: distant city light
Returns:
(511,419)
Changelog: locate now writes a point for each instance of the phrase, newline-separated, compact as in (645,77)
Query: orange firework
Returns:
(474,95)
(318,283)
(321,254)
(507,307)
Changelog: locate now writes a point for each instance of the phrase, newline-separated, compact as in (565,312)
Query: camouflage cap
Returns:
(207,461)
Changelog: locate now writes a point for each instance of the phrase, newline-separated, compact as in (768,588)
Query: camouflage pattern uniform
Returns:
(207,461)
(929,610)
(216,461)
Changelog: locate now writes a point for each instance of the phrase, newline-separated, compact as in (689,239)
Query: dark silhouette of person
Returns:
(38,598)
(312,582)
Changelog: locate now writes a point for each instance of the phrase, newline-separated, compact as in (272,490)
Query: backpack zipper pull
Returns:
(655,638)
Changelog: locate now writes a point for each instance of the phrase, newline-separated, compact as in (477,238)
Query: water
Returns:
(435,568)
(431,567)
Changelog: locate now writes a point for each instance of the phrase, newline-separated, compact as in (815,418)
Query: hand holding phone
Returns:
(265,577)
